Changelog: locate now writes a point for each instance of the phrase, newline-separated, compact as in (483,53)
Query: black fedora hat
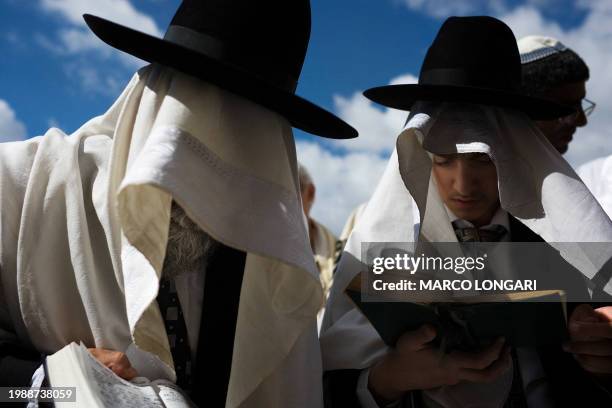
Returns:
(255,49)
(474,60)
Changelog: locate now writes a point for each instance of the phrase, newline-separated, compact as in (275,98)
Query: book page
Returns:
(66,368)
(114,391)
(172,395)
(98,387)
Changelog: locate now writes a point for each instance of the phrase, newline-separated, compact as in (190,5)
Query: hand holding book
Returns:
(98,386)
(116,361)
(416,364)
(591,338)
(470,323)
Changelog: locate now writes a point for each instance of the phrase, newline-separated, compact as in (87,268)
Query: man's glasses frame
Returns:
(587,107)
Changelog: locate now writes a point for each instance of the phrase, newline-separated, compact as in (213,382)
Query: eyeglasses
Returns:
(586,106)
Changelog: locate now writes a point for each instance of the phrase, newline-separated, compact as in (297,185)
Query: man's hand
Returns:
(591,338)
(416,365)
(116,361)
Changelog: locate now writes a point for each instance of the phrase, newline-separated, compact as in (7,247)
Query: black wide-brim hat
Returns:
(254,49)
(473,60)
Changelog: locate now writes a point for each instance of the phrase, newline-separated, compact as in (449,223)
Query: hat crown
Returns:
(476,51)
(266,37)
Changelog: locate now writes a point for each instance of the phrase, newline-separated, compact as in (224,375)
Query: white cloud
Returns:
(342,181)
(93,80)
(345,180)
(83,51)
(11,128)
(377,126)
(445,8)
(76,40)
(119,11)
(75,37)
(53,123)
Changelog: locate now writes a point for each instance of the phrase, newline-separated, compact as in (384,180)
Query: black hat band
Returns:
(208,45)
(463,77)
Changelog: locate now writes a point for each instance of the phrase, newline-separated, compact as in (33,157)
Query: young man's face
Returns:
(467,184)
(560,131)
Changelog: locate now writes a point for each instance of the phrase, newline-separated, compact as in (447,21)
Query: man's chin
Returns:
(466,214)
(562,142)
(562,148)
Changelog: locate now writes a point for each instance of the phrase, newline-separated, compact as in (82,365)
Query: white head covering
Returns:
(99,201)
(536,47)
(536,185)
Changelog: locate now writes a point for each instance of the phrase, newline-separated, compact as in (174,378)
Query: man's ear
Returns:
(312,191)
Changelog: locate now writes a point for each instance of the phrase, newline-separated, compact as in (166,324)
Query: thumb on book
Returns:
(417,339)
(583,313)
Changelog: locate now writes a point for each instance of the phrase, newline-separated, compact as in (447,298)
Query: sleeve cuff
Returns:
(366,400)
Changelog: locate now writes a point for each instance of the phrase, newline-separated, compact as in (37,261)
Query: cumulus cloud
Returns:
(74,37)
(377,126)
(93,80)
(348,175)
(342,181)
(11,128)
(445,8)
(95,66)
(119,11)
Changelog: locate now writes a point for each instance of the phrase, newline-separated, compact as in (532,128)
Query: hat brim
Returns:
(404,96)
(301,113)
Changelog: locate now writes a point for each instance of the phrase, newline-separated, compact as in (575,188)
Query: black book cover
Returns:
(526,319)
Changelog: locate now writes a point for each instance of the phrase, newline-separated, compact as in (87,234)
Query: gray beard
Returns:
(189,247)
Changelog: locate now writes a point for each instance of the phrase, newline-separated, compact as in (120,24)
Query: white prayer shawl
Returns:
(536,185)
(85,218)
(597,175)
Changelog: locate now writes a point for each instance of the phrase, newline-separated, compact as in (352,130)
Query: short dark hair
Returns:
(561,68)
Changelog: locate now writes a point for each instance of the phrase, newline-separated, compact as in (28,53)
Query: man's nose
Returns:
(577,119)
(581,119)
(465,180)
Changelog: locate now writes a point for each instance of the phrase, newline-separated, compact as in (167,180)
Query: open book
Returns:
(98,387)
(525,319)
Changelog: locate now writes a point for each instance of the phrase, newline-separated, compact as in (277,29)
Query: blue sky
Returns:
(345,54)
(54,73)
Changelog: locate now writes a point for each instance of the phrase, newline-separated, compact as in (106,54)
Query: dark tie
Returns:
(516,398)
(491,234)
(171,312)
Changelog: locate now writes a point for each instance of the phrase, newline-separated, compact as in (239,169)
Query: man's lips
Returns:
(566,135)
(464,202)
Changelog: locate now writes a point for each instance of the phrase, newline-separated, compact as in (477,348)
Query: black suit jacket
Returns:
(570,385)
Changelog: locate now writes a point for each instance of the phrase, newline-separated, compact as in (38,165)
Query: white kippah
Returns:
(535,47)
